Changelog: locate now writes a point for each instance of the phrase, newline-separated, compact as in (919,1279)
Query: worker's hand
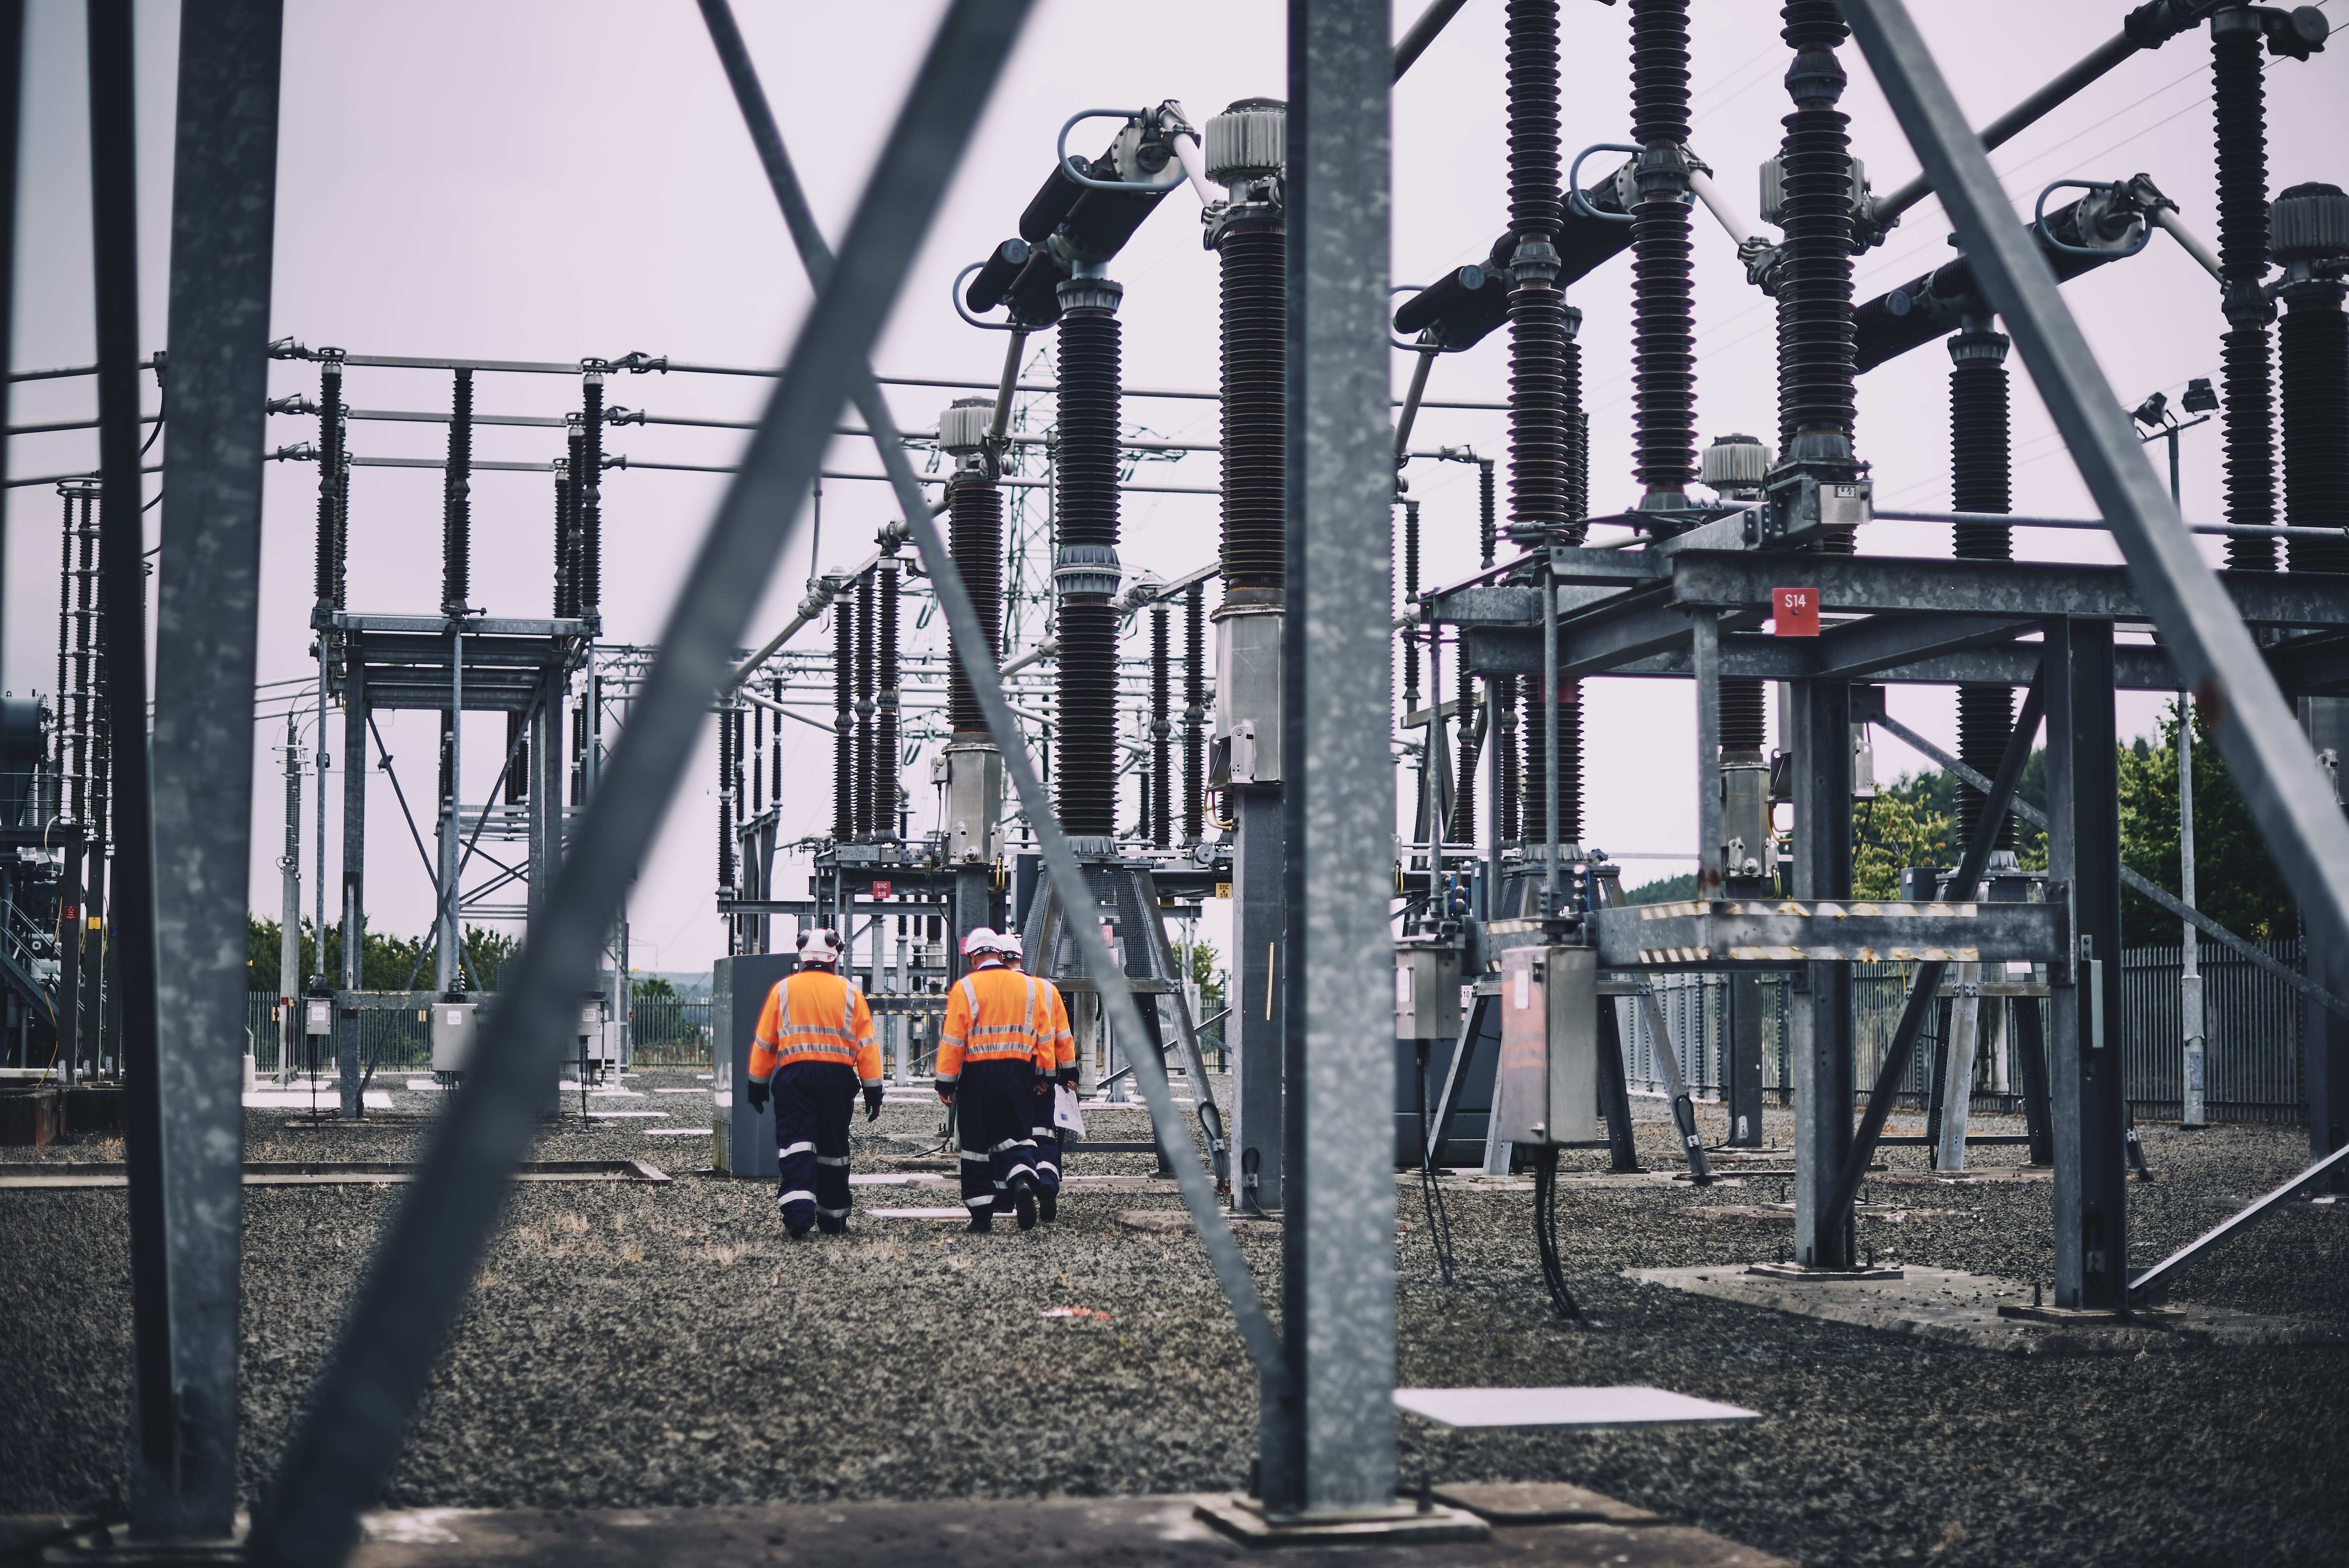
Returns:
(1068,1077)
(756,1093)
(946,1093)
(1043,1087)
(873,1103)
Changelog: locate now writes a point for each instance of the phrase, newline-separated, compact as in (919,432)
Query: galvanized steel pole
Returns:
(1338,1284)
(224,208)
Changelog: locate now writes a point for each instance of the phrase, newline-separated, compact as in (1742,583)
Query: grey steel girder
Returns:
(1781,933)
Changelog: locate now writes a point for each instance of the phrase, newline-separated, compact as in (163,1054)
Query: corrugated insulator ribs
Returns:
(1087,494)
(884,714)
(457,503)
(863,795)
(1539,336)
(1162,733)
(1816,374)
(1501,691)
(518,749)
(1535,809)
(1664,367)
(589,477)
(1463,817)
(329,574)
(1741,712)
(2311,240)
(844,721)
(1255,358)
(1195,714)
(2239,92)
(1980,469)
(975,511)
(726,717)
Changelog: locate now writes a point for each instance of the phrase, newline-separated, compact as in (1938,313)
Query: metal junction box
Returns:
(455,1026)
(317,1015)
(1427,991)
(743,1139)
(1548,1090)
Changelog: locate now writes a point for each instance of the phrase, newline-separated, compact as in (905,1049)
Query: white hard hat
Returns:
(982,939)
(1008,945)
(815,947)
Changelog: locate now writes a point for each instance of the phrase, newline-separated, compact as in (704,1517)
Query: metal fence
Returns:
(2251,1029)
(669,1032)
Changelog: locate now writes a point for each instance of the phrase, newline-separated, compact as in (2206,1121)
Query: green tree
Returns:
(1907,824)
(385,962)
(484,954)
(2236,880)
(652,988)
(1207,978)
(1664,890)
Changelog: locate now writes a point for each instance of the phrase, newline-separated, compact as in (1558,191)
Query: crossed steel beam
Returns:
(977,657)
(2213,650)
(351,1432)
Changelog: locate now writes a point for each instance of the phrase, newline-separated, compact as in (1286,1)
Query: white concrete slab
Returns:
(1624,1407)
(328,1096)
(954,1213)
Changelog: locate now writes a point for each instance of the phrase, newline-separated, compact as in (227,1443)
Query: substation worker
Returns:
(1056,1062)
(988,1052)
(814,1050)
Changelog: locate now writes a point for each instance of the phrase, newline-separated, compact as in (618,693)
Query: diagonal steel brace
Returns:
(337,1458)
(979,665)
(1925,984)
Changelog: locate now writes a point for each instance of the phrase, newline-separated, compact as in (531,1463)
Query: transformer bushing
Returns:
(1545,366)
(844,721)
(2239,96)
(885,710)
(1195,714)
(588,478)
(2310,235)
(1085,573)
(1247,149)
(1816,495)
(1663,395)
(1981,460)
(971,768)
(456,502)
(329,573)
(863,781)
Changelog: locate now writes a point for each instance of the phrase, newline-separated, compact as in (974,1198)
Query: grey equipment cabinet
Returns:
(743,1140)
(1548,1086)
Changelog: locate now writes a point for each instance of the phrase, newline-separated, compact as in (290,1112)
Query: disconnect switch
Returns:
(1548,1083)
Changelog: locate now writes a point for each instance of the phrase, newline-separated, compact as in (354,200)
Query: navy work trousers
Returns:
(994,1122)
(813,1103)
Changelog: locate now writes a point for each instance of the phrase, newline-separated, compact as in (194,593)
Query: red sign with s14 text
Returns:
(1794,612)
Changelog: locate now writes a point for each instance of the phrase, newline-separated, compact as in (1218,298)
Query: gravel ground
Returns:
(634,1345)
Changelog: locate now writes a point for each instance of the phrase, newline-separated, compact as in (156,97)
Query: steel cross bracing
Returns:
(352,1427)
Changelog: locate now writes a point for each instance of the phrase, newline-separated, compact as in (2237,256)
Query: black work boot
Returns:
(982,1221)
(1023,1203)
(1048,1204)
(831,1226)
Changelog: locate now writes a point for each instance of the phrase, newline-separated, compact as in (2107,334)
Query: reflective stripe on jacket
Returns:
(815,1016)
(995,1015)
(1062,1045)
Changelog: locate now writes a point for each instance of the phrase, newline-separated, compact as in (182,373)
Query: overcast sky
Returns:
(543,181)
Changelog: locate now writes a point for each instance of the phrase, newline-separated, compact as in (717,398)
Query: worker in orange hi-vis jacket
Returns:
(1056,1061)
(988,1052)
(813,1049)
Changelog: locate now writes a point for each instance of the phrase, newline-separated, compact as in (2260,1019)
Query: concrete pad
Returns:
(1177,1222)
(329,1096)
(972,1532)
(957,1212)
(1950,1307)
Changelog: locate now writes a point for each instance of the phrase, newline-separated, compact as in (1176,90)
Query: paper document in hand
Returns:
(1065,1113)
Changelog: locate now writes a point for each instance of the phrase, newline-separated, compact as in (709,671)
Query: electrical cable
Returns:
(1439,1223)
(1561,1299)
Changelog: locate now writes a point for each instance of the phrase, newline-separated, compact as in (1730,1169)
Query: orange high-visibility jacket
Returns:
(996,1014)
(1063,1043)
(816,1017)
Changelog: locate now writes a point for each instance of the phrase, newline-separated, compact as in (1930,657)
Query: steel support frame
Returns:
(352,1429)
(224,208)
(1338,1242)
(2324,1033)
(2088,1098)
(2270,758)
(1820,1017)
(1259,1026)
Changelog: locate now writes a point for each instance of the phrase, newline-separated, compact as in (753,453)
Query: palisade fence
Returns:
(665,1031)
(2251,1031)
